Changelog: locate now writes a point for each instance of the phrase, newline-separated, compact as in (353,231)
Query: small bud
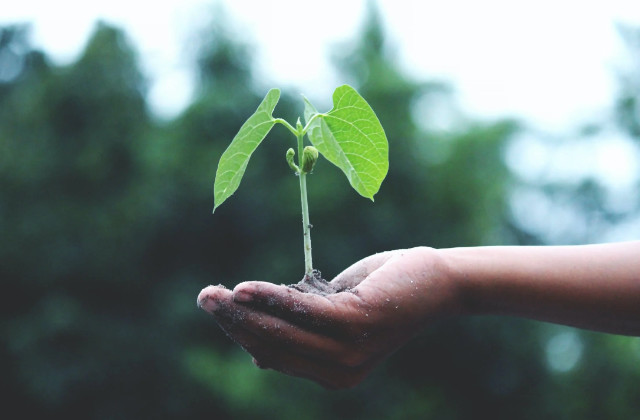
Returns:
(309,158)
(290,154)
(299,126)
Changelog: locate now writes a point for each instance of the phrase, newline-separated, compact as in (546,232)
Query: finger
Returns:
(331,374)
(311,309)
(307,310)
(328,374)
(277,354)
(212,297)
(267,355)
(359,271)
(278,332)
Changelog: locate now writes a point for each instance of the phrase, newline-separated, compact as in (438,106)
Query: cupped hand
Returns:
(337,339)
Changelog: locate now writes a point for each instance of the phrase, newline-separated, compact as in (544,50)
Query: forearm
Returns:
(592,286)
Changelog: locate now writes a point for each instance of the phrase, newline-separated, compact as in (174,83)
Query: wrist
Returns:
(443,282)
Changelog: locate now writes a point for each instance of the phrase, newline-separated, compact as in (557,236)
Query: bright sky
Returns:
(550,62)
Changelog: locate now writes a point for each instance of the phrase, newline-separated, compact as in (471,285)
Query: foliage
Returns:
(234,160)
(350,136)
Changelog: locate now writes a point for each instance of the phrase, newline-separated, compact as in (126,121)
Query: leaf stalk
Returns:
(286,124)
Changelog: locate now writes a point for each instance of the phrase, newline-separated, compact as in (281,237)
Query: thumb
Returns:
(360,270)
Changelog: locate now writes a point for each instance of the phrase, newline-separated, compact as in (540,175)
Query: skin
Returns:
(388,298)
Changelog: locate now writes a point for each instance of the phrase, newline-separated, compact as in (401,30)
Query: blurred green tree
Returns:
(78,335)
(108,237)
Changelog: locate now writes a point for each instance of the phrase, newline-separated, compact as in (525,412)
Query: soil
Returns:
(316,284)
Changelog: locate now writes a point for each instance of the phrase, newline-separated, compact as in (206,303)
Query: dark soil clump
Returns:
(315,284)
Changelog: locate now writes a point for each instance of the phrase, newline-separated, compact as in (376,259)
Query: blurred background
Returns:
(507,124)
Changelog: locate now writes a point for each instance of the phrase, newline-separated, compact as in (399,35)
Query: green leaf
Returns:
(234,160)
(351,137)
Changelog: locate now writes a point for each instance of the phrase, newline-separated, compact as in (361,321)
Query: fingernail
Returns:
(242,296)
(207,304)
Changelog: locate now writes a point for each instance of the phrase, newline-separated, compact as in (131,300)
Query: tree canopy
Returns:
(108,237)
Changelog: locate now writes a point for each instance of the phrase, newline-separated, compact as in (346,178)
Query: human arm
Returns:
(338,339)
(595,287)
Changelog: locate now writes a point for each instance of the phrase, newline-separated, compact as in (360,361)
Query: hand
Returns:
(336,340)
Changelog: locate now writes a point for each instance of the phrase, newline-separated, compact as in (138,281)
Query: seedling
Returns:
(350,136)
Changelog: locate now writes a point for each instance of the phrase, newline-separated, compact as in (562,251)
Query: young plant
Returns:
(350,136)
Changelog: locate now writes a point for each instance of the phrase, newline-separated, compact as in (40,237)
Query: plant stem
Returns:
(306,225)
